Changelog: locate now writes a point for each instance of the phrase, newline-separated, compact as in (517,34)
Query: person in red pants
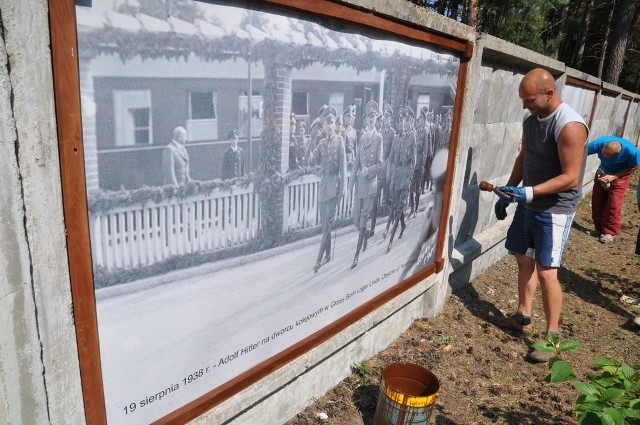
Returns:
(618,160)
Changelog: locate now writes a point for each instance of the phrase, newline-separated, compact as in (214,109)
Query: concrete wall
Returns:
(39,372)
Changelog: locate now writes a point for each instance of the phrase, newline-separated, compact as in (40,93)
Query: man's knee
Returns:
(547,275)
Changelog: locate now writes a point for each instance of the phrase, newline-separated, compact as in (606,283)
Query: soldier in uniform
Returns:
(416,179)
(429,150)
(388,134)
(330,155)
(175,159)
(315,133)
(233,160)
(364,175)
(400,166)
(349,133)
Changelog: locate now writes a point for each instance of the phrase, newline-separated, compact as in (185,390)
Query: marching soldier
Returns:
(402,162)
(364,175)
(349,133)
(330,154)
(388,134)
(416,179)
(315,134)
(429,150)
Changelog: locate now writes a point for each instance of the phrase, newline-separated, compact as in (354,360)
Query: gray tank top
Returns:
(542,161)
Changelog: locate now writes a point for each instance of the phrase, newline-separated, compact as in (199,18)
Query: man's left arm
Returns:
(571,151)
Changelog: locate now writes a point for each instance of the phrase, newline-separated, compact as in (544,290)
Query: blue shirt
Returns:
(629,156)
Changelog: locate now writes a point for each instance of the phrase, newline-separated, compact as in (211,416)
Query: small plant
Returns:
(611,397)
(364,372)
(442,339)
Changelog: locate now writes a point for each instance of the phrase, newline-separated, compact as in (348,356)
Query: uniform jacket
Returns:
(350,143)
(388,134)
(421,141)
(232,164)
(175,164)
(330,155)
(402,161)
(369,158)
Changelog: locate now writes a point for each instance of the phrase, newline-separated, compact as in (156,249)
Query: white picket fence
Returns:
(145,234)
(301,204)
(139,235)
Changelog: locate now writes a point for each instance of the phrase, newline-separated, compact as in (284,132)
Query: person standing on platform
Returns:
(364,175)
(429,151)
(619,158)
(233,159)
(175,159)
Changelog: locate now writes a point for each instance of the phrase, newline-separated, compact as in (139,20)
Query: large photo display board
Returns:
(253,175)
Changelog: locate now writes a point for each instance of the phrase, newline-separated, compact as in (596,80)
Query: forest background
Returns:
(600,37)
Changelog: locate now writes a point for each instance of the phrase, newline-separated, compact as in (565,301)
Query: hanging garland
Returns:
(152,45)
(104,201)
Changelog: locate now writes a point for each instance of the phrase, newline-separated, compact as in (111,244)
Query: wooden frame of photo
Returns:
(69,120)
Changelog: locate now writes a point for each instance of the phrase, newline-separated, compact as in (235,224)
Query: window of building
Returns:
(423,100)
(203,118)
(299,105)
(337,101)
(256,115)
(132,112)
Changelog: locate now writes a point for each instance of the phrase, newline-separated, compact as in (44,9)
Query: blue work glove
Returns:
(501,209)
(515,193)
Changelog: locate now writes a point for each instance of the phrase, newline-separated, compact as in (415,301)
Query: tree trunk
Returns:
(624,14)
(472,14)
(605,41)
(586,21)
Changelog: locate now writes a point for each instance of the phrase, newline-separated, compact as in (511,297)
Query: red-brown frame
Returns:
(591,86)
(68,114)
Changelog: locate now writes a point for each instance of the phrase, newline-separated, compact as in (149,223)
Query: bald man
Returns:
(550,165)
(175,159)
(619,158)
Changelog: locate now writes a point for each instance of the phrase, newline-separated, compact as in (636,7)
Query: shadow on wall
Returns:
(470,197)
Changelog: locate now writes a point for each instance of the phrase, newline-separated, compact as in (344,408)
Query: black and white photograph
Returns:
(253,175)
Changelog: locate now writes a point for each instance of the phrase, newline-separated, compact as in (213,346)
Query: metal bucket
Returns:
(407,395)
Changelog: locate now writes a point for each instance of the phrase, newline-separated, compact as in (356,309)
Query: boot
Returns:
(327,249)
(355,258)
(404,226)
(393,232)
(389,220)
(365,237)
(323,243)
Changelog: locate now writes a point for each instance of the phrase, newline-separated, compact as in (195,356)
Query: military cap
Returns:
(371,108)
(424,111)
(329,112)
(401,112)
(321,110)
(232,134)
(388,110)
(408,112)
(350,110)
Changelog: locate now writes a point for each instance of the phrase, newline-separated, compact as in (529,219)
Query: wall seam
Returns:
(25,225)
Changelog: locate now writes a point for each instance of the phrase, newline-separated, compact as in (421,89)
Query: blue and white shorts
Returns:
(539,235)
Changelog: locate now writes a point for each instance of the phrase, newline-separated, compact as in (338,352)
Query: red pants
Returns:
(606,205)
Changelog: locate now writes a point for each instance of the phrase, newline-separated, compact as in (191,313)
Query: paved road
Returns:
(165,346)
